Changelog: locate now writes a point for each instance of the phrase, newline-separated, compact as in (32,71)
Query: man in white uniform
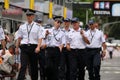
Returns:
(76,44)
(41,55)
(97,41)
(64,66)
(29,40)
(55,41)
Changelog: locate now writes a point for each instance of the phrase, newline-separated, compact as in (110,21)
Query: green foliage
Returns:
(82,0)
(112,30)
(81,13)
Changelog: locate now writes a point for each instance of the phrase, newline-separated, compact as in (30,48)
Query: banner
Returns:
(106,8)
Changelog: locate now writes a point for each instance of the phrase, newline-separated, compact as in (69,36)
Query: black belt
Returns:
(93,48)
(28,44)
(52,47)
(77,49)
(0,46)
(64,48)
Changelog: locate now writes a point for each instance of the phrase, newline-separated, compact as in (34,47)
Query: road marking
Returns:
(111,72)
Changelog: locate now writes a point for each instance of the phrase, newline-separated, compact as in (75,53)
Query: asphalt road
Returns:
(110,68)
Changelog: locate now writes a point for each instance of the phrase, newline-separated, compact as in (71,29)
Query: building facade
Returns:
(11,17)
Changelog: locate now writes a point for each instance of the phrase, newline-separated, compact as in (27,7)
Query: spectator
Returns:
(7,60)
(2,40)
(29,40)
(110,49)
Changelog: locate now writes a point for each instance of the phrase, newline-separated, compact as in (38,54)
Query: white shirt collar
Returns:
(55,29)
(31,23)
(77,30)
(67,30)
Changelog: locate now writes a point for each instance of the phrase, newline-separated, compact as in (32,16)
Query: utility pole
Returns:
(50,9)
(64,10)
(85,5)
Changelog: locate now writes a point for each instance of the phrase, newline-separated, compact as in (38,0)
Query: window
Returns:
(61,2)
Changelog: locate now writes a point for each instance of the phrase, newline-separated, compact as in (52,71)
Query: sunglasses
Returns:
(73,22)
(90,24)
(66,21)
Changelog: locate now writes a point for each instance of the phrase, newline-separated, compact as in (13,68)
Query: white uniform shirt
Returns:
(75,39)
(2,36)
(43,31)
(30,33)
(55,38)
(66,33)
(96,38)
(43,34)
(16,35)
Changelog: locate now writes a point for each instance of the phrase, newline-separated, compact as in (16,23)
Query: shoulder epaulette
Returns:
(37,24)
(62,30)
(22,24)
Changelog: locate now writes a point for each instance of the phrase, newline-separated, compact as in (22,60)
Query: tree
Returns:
(82,0)
(113,30)
(80,12)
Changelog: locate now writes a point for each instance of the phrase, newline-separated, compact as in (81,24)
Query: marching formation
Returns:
(59,53)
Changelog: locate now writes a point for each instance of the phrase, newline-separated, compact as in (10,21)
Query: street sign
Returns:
(82,4)
(106,8)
